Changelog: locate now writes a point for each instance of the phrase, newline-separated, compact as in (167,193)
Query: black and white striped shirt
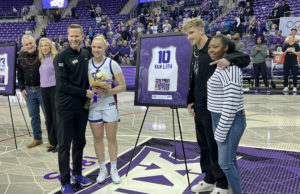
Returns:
(225,96)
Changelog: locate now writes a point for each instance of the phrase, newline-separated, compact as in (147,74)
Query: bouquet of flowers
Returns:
(97,80)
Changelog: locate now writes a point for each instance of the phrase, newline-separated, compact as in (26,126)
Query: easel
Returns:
(12,120)
(10,51)
(186,169)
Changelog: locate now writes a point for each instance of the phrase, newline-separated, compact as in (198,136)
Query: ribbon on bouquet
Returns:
(95,96)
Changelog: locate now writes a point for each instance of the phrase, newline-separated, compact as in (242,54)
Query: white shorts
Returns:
(103,116)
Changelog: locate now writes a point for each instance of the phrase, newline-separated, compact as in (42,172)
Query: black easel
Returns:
(12,120)
(186,169)
(23,115)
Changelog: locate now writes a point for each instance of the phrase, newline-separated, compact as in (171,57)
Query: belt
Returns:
(34,87)
(242,111)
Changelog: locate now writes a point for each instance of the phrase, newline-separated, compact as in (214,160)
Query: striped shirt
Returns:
(225,96)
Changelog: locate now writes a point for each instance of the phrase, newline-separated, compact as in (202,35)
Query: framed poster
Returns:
(7,69)
(163,70)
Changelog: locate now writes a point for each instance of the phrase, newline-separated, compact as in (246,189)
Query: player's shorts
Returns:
(103,116)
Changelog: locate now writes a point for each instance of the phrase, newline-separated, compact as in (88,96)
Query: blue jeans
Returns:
(33,102)
(227,150)
(248,18)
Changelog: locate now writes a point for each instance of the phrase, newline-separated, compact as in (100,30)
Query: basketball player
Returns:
(104,113)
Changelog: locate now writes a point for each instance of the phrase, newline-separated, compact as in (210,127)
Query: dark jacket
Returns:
(71,72)
(28,70)
(198,87)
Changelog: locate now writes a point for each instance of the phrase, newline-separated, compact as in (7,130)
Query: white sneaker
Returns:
(202,186)
(102,175)
(115,176)
(285,89)
(294,89)
(218,190)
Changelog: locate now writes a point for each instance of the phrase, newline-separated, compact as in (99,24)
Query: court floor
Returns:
(273,122)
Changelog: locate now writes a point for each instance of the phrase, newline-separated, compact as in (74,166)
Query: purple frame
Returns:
(8,80)
(167,58)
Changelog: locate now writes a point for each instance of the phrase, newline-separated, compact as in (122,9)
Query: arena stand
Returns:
(261,9)
(6,9)
(13,31)
(111,9)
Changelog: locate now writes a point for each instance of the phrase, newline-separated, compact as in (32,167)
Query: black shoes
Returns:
(53,149)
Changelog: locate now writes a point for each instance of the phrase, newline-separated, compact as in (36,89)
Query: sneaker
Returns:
(257,89)
(34,143)
(67,189)
(218,190)
(82,180)
(202,186)
(295,89)
(285,89)
(268,90)
(102,175)
(115,176)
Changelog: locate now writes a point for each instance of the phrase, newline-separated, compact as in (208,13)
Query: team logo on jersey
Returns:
(75,61)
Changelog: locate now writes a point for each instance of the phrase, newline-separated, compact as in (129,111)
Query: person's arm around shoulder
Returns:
(236,58)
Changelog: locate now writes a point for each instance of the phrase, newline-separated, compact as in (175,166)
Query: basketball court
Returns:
(268,155)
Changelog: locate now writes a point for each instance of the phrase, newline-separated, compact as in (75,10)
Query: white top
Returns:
(225,96)
(296,37)
(154,29)
(98,19)
(112,68)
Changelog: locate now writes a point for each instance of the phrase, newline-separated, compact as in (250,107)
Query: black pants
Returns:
(260,68)
(287,66)
(48,96)
(209,149)
(71,129)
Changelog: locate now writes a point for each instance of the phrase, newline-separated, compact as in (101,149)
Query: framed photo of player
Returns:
(163,70)
(7,69)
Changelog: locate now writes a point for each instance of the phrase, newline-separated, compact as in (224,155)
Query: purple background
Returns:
(261,170)
(10,87)
(183,52)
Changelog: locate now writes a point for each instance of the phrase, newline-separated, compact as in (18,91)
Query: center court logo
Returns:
(154,169)
(157,170)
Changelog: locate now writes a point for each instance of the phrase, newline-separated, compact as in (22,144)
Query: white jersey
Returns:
(163,70)
(3,69)
(112,68)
